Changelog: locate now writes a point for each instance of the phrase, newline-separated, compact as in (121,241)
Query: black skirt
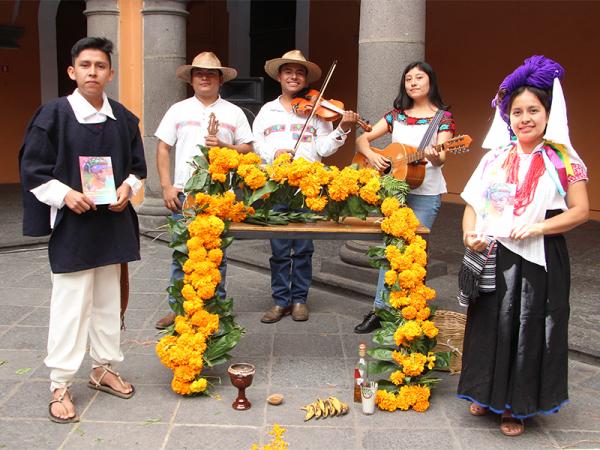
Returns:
(515,353)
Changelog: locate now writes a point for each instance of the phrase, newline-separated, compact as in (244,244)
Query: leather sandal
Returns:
(508,428)
(166,321)
(477,410)
(96,384)
(59,400)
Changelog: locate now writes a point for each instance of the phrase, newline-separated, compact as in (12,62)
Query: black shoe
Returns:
(370,323)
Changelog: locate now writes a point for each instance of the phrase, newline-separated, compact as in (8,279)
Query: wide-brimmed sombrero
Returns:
(293,57)
(205,60)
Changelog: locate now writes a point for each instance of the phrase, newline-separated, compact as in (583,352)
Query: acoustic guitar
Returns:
(407,163)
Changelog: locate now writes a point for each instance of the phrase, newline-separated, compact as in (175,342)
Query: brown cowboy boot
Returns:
(275,314)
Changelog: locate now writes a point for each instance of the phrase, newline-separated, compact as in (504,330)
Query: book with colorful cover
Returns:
(496,217)
(97,179)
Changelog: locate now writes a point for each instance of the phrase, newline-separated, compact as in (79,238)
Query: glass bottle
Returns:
(360,371)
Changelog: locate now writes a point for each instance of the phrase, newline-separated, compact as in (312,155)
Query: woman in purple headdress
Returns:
(515,352)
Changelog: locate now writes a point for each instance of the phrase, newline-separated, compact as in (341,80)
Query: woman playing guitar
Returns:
(415,107)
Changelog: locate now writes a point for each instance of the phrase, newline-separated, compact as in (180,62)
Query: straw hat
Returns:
(205,60)
(293,57)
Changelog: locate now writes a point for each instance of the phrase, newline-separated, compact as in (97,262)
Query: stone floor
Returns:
(300,360)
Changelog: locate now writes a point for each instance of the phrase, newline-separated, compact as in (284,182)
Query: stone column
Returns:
(103,21)
(164,51)
(392,35)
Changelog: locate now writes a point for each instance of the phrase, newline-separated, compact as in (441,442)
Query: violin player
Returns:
(276,131)
(203,119)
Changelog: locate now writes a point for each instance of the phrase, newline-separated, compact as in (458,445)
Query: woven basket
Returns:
(451,336)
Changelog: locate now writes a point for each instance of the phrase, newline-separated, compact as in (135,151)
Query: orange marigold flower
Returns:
(198,386)
(431,358)
(398,357)
(421,406)
(410,330)
(409,312)
(397,377)
(424,313)
(398,299)
(414,364)
(389,205)
(390,277)
(429,329)
(180,386)
(316,204)
(386,400)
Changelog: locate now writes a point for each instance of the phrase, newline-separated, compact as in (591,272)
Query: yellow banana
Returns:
(345,409)
(329,407)
(317,409)
(326,408)
(321,405)
(310,412)
(336,404)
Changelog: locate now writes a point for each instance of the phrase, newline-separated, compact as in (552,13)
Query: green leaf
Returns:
(220,360)
(442,360)
(201,161)
(384,337)
(380,367)
(355,205)
(181,248)
(269,187)
(3,361)
(204,150)
(197,182)
(23,371)
(392,326)
(226,242)
(218,347)
(220,306)
(225,326)
(151,420)
(381,354)
(388,315)
(387,385)
(422,345)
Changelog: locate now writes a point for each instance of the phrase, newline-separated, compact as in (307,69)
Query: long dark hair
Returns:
(403,101)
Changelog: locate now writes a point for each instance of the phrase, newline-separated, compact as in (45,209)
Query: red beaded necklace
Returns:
(525,191)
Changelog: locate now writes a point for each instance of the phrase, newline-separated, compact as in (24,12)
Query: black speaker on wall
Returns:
(247,93)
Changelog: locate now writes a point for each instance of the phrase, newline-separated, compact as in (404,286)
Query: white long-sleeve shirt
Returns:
(275,128)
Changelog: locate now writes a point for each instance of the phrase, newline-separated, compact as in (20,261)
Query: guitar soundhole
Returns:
(387,170)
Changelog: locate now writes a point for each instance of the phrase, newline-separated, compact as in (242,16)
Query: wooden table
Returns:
(350,228)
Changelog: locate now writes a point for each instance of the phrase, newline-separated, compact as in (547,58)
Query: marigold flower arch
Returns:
(205,329)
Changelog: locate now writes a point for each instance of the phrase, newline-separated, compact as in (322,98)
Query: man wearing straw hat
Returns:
(185,126)
(276,131)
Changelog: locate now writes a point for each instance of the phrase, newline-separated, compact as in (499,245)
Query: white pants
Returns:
(83,303)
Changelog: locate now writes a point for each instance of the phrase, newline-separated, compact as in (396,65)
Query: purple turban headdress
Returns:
(543,73)
(537,71)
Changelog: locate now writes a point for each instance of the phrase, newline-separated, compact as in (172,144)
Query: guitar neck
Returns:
(420,154)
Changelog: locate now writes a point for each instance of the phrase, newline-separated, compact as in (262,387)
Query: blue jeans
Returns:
(176,271)
(426,208)
(291,268)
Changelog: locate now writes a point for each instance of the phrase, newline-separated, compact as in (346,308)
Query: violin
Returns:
(328,110)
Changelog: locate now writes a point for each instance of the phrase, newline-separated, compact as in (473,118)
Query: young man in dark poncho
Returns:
(88,241)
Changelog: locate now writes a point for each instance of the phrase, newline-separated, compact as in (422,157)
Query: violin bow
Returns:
(319,98)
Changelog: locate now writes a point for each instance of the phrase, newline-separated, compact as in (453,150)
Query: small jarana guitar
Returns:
(407,163)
